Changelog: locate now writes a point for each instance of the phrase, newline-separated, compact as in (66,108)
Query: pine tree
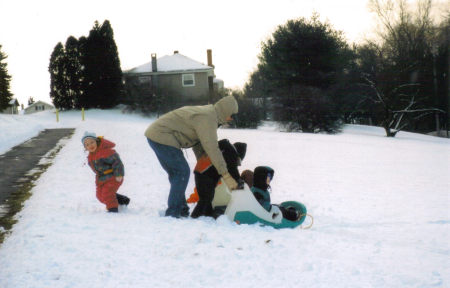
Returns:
(113,86)
(299,67)
(73,71)
(58,80)
(83,98)
(103,75)
(5,78)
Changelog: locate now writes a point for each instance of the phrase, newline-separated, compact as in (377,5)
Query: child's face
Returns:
(268,180)
(90,144)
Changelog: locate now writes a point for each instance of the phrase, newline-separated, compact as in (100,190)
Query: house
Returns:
(13,107)
(179,77)
(38,107)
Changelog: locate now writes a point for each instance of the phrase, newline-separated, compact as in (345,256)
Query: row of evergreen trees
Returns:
(85,72)
(308,77)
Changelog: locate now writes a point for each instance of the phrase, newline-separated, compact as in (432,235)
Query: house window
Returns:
(188,80)
(144,79)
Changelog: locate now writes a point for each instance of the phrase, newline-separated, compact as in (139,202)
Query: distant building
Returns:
(177,76)
(38,106)
(13,107)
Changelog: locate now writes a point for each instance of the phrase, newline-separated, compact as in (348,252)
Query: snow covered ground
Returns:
(380,207)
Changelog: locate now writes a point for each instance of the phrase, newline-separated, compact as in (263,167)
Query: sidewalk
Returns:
(16,164)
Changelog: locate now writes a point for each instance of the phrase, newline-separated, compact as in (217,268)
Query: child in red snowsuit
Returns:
(109,170)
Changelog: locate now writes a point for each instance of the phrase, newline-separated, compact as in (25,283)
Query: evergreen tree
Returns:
(299,67)
(83,98)
(5,78)
(73,75)
(102,73)
(58,79)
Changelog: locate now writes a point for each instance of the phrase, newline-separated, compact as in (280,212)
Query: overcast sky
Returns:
(233,29)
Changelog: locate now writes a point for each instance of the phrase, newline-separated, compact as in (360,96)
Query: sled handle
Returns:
(310,225)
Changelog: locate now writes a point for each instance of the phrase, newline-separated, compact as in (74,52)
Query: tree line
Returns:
(309,79)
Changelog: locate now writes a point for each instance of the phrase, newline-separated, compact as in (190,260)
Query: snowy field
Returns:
(380,207)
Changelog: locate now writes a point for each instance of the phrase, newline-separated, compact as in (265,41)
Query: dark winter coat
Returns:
(260,186)
(105,161)
(263,197)
(232,158)
(207,176)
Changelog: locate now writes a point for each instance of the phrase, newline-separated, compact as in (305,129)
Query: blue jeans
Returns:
(174,163)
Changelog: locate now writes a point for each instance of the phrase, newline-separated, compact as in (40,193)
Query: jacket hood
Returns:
(226,107)
(104,149)
(106,144)
(260,175)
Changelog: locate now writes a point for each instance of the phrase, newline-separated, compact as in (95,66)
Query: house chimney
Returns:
(154,64)
(209,55)
(210,77)
(175,52)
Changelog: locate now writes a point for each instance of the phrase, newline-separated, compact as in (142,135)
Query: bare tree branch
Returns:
(420,110)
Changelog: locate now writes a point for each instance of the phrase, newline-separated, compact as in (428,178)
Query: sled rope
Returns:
(312,221)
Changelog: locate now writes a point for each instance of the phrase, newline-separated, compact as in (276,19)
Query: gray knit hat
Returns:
(88,135)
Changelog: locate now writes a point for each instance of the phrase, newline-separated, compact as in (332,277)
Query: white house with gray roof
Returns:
(38,106)
(13,107)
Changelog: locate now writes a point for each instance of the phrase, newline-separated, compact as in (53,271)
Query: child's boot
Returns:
(122,199)
(113,210)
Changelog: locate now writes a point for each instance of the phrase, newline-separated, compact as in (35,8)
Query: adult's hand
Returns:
(229,181)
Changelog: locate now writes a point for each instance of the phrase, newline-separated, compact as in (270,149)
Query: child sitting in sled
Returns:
(262,176)
(207,177)
(109,170)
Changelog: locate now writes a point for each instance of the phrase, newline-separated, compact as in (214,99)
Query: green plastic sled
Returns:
(243,208)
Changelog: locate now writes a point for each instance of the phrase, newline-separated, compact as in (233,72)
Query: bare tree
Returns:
(394,118)
(406,79)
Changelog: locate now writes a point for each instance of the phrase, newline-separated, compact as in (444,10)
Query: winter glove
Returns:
(229,181)
(193,198)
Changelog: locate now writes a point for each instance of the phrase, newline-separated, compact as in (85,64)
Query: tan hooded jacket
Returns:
(196,127)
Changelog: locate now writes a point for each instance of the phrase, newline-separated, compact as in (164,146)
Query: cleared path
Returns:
(16,164)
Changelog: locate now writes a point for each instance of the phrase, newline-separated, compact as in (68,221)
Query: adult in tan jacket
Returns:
(189,127)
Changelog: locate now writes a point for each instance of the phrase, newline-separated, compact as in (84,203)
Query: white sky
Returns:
(233,29)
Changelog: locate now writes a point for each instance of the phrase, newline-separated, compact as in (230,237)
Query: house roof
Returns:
(13,102)
(38,102)
(171,63)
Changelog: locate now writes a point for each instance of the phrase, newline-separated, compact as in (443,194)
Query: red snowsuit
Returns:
(106,164)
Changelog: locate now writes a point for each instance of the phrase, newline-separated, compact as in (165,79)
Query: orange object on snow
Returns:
(193,198)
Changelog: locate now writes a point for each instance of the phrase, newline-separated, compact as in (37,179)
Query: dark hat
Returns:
(247,176)
(260,176)
(241,149)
